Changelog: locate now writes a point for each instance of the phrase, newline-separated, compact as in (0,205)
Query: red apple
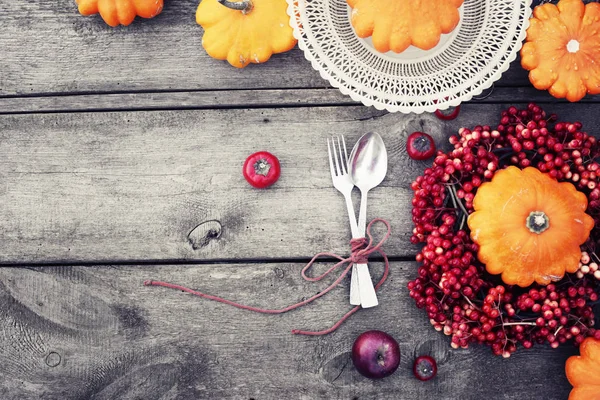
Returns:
(375,354)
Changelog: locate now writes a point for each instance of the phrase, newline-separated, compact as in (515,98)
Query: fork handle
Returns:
(352,216)
(354,289)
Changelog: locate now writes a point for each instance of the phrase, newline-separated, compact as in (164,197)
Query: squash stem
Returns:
(537,222)
(244,6)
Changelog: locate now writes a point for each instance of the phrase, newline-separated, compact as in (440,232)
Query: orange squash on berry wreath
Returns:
(529,227)
(562,51)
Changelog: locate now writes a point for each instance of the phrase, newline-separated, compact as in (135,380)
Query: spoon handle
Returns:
(368,297)
(362,215)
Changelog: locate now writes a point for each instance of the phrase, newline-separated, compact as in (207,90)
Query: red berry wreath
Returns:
(461,298)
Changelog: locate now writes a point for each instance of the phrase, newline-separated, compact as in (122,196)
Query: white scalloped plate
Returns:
(464,64)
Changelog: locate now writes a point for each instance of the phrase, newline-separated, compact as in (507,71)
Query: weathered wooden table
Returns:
(120,161)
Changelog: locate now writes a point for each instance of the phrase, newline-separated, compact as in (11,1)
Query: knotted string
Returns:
(360,251)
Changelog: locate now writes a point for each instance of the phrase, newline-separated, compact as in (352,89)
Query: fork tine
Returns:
(337,164)
(345,153)
(331,166)
(343,160)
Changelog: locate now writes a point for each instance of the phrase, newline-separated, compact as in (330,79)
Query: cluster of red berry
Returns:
(460,297)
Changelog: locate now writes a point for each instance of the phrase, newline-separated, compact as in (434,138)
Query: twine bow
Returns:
(360,251)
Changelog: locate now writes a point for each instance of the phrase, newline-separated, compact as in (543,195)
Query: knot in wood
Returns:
(279,272)
(53,359)
(204,233)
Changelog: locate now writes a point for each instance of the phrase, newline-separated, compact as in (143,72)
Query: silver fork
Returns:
(338,163)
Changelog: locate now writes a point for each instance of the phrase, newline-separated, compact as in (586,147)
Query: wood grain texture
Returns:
(47,47)
(97,333)
(150,185)
(86,178)
(143,185)
(201,100)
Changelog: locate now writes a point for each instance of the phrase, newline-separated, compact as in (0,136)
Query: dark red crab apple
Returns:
(375,354)
(425,368)
(420,146)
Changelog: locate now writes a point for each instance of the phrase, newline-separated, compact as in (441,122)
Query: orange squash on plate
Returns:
(583,371)
(120,12)
(529,227)
(395,25)
(562,51)
(245,32)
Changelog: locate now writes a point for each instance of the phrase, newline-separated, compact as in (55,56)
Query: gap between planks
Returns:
(218,261)
(227,99)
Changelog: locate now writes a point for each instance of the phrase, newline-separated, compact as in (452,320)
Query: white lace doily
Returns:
(464,63)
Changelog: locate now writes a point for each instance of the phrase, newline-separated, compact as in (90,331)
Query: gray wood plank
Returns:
(97,333)
(253,98)
(47,47)
(167,185)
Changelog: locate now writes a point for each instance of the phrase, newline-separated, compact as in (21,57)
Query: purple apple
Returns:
(375,354)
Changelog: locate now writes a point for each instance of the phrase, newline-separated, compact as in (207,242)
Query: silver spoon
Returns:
(368,167)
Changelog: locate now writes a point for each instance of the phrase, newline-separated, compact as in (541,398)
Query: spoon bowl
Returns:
(368,162)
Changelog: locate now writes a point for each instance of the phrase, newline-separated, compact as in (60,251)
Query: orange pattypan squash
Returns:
(529,226)
(397,24)
(245,32)
(583,371)
(120,12)
(563,49)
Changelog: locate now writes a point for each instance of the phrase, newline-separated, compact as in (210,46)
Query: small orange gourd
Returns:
(583,371)
(395,25)
(529,227)
(562,51)
(244,32)
(120,12)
